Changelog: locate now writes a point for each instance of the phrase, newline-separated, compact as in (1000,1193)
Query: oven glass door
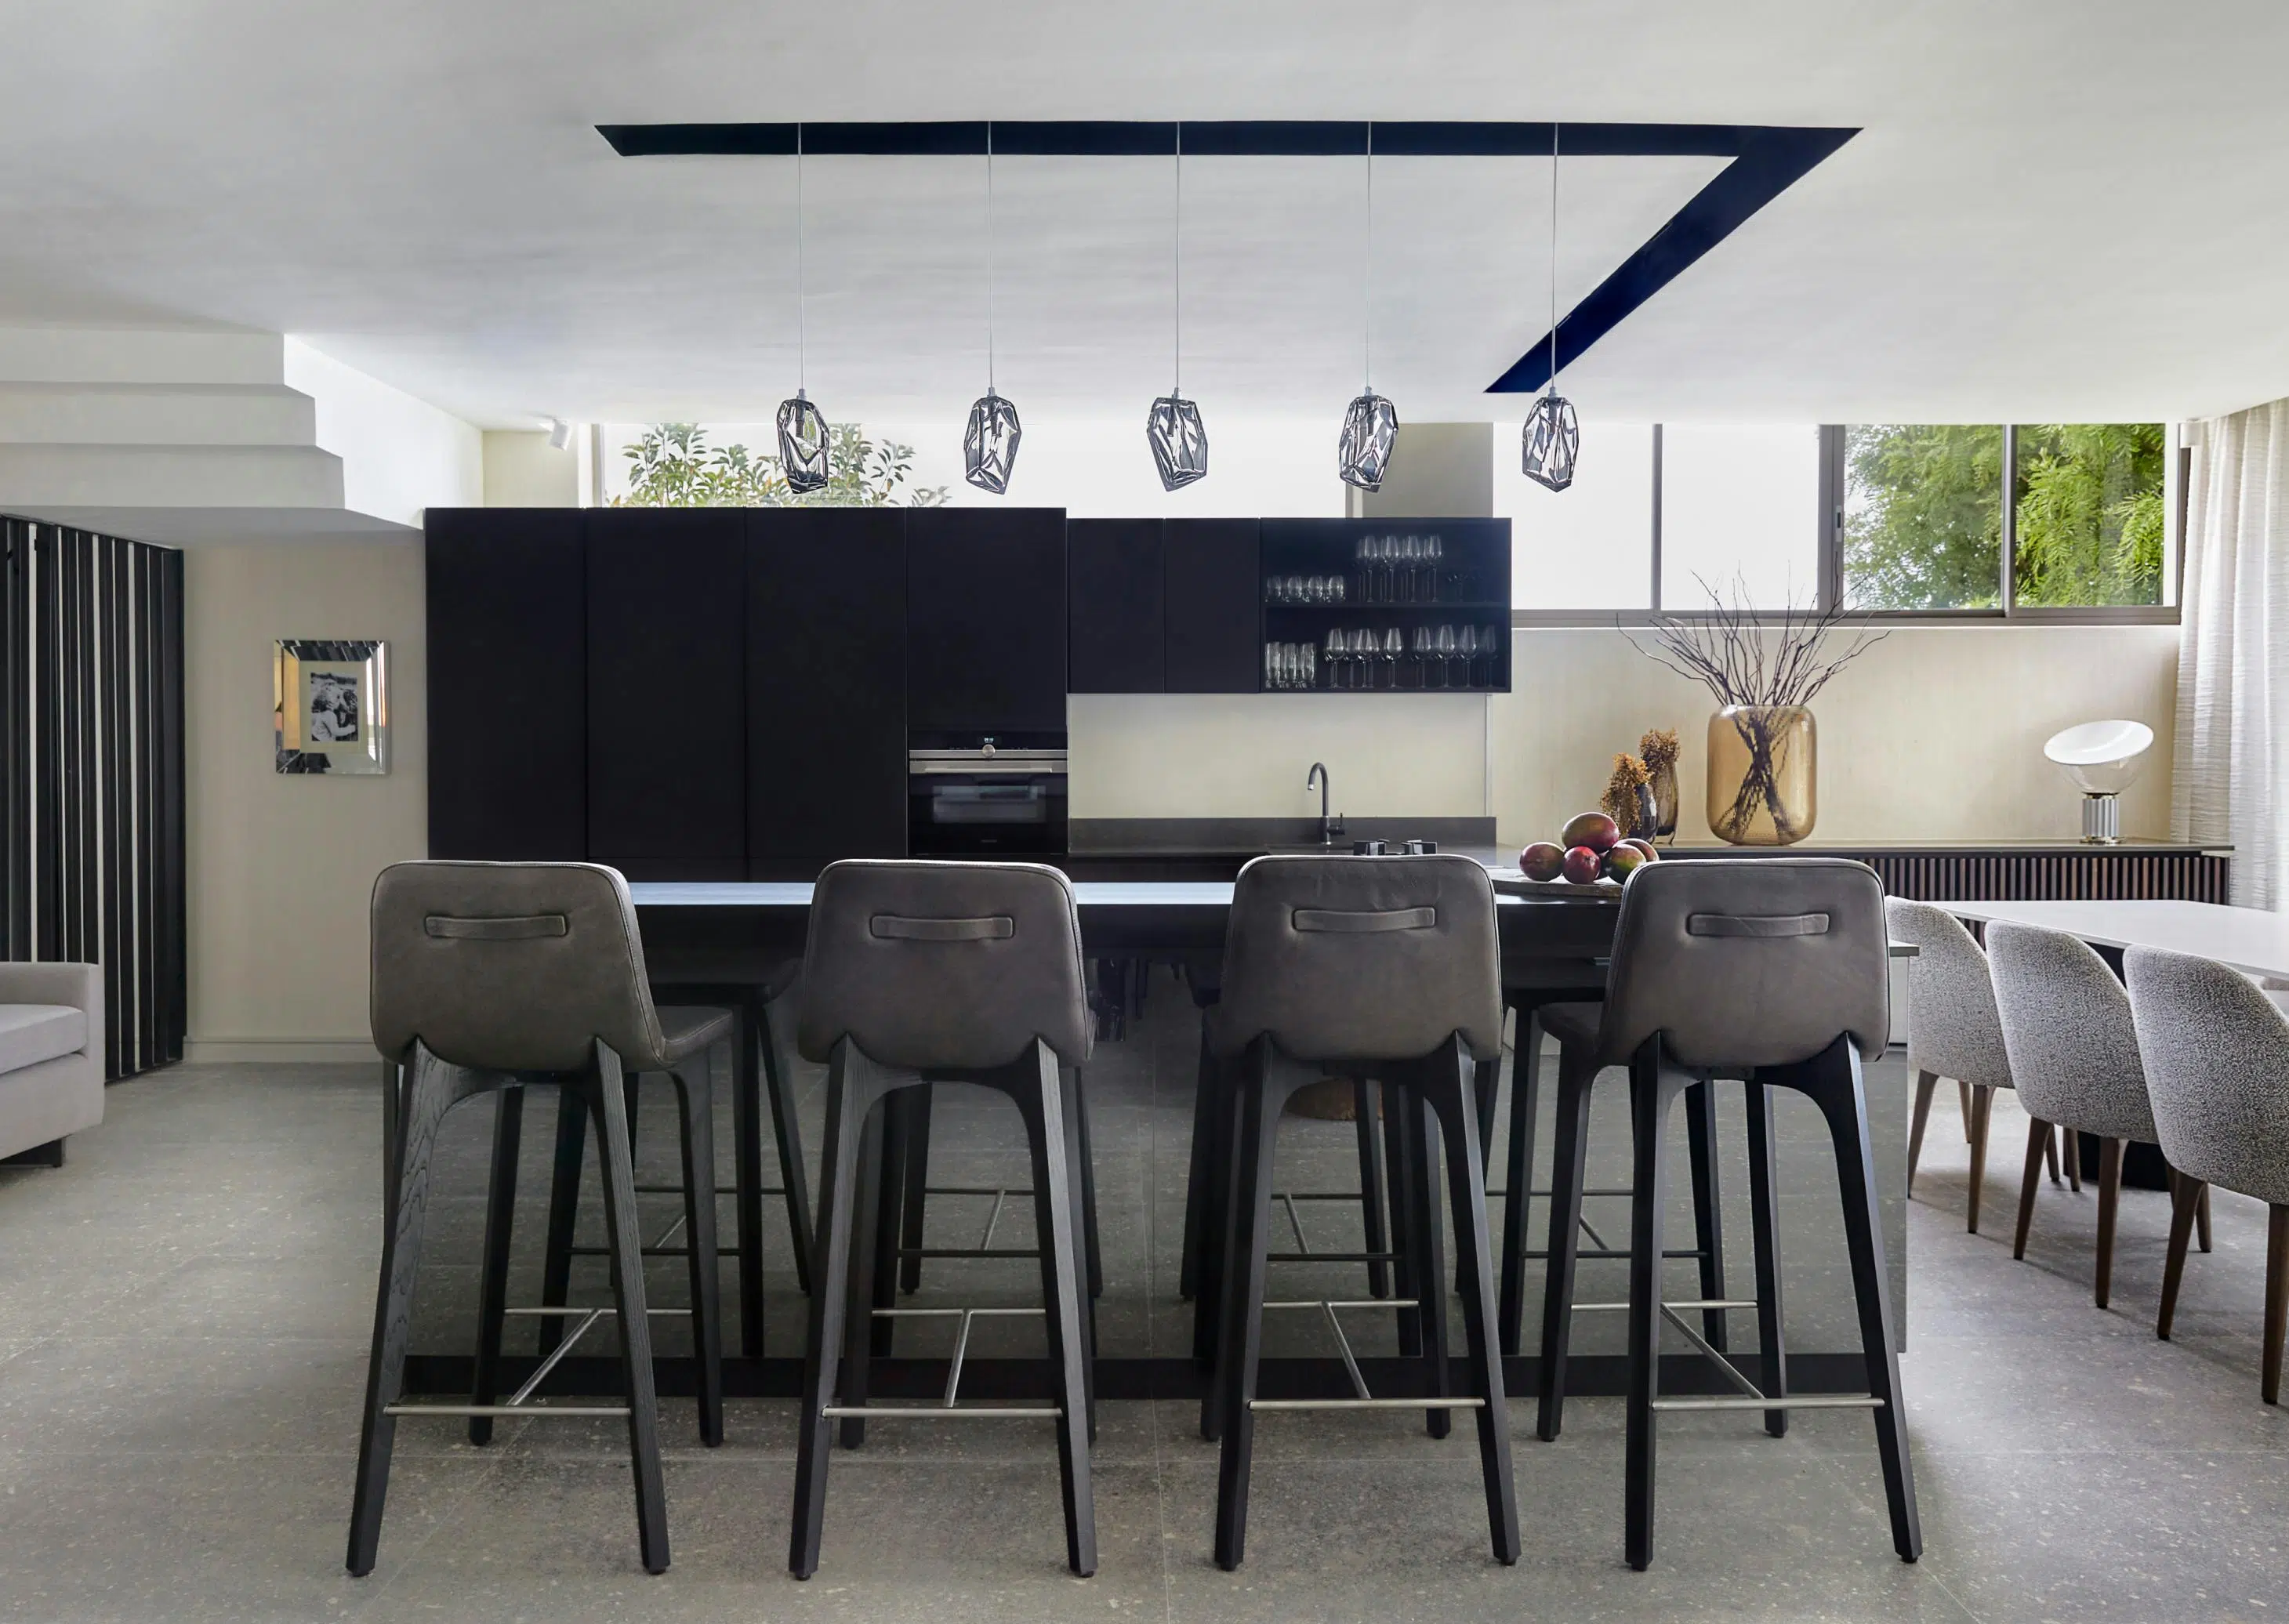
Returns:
(984,814)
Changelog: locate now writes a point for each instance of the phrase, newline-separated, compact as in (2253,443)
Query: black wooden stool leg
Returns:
(616,1162)
(867,1201)
(563,1212)
(913,1151)
(1069,1082)
(1201,1223)
(1652,1088)
(747,1173)
(1219,1215)
(1398,1174)
(492,1293)
(890,1222)
(426,1095)
(1708,1206)
(1224,1267)
(1430,1249)
(1085,1177)
(1569,1155)
(1842,1101)
(1466,1186)
(1064,1290)
(786,1129)
(849,1093)
(1765,1223)
(696,1101)
(1375,1227)
(1518,1206)
(1263,1096)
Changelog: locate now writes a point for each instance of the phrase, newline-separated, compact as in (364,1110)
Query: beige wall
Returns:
(280,867)
(1936,733)
(523,470)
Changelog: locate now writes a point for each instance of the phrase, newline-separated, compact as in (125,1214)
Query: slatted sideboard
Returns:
(2023,870)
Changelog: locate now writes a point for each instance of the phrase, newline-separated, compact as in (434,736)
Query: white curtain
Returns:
(2233,651)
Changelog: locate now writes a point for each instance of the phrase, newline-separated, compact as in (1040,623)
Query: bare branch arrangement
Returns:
(1758,667)
(1743,657)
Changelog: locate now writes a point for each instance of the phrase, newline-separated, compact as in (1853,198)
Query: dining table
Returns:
(2254,941)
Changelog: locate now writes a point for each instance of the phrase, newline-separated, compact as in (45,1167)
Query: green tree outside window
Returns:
(671,464)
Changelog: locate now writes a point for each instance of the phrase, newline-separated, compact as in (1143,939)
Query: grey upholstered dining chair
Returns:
(1953,1029)
(1385,967)
(914,973)
(2217,1067)
(2074,1059)
(490,978)
(1775,970)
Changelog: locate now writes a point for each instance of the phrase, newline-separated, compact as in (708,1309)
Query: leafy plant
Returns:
(2090,513)
(671,465)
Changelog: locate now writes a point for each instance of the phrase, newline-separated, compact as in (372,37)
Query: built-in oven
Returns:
(986,800)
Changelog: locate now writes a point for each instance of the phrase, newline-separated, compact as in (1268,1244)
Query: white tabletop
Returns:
(2254,941)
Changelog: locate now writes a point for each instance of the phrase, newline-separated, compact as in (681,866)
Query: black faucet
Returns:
(1329,827)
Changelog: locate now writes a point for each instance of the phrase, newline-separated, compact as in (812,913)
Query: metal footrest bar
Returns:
(1329,1257)
(1364,1400)
(1619,1189)
(960,1348)
(721,1189)
(517,1405)
(1816,1401)
(1610,1254)
(1367,1404)
(1732,1371)
(844,1411)
(1694,1302)
(501,1409)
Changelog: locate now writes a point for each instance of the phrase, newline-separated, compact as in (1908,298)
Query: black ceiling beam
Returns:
(1765,161)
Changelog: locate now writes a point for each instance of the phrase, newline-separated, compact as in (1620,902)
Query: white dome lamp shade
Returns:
(2103,759)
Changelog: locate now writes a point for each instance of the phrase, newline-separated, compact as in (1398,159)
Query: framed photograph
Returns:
(330,705)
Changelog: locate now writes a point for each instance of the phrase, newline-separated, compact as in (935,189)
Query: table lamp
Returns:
(2103,759)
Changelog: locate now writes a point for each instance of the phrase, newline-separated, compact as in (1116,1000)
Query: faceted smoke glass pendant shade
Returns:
(1363,452)
(1550,442)
(1180,445)
(989,449)
(802,444)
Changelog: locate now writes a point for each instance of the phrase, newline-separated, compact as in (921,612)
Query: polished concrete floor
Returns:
(183,1319)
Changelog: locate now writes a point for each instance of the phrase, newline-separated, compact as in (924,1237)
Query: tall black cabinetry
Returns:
(985,623)
(827,686)
(508,683)
(1163,606)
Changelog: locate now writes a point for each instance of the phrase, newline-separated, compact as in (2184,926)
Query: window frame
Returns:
(1828,519)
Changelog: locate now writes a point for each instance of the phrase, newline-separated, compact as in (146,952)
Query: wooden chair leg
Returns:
(563,1212)
(1427,1244)
(1064,1289)
(2276,1299)
(1926,1085)
(1652,1088)
(786,1131)
(2050,1155)
(747,1173)
(1398,1170)
(608,1100)
(914,1141)
(2184,1197)
(1085,1169)
(899,1152)
(492,1291)
(849,1093)
(1262,1098)
(696,1119)
(1983,1105)
(2202,1220)
(1518,1206)
(1708,1206)
(1963,1099)
(2109,1199)
(1199,1225)
(1765,1221)
(1374,1219)
(2073,1157)
(1466,1188)
(2038,1136)
(860,1281)
(1568,1157)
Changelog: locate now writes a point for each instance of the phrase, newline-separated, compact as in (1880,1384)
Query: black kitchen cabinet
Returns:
(508,684)
(1214,626)
(667,780)
(827,686)
(985,622)
(1115,584)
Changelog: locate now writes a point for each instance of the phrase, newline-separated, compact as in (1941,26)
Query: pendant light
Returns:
(1370,422)
(989,447)
(1552,436)
(802,431)
(1172,428)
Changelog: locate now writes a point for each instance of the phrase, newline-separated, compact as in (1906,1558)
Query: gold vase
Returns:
(1763,776)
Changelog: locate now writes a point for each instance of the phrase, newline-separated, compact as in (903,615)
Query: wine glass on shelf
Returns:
(1390,650)
(1387,575)
(1335,656)
(1466,645)
(1445,644)
(1434,552)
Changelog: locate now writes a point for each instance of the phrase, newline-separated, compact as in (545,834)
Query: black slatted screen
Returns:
(91,773)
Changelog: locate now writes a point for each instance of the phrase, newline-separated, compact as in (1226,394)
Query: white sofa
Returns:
(51,1057)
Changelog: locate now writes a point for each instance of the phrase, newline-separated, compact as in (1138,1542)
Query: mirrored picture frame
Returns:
(330,705)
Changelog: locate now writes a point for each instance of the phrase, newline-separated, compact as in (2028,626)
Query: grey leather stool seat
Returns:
(2074,1058)
(918,972)
(491,979)
(1773,969)
(1385,968)
(2216,1052)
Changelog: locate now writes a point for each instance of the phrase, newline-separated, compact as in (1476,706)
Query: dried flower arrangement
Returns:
(1628,800)
(1658,750)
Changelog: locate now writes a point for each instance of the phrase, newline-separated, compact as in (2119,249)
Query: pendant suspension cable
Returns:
(989,256)
(1179,370)
(1366,287)
(1553,257)
(801,344)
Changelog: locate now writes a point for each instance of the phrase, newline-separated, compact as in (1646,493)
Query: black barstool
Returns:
(1770,969)
(488,978)
(1384,967)
(941,972)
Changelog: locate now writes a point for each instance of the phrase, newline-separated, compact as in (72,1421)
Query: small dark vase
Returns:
(1647,821)
(1663,790)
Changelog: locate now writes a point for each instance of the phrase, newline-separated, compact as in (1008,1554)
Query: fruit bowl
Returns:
(1512,882)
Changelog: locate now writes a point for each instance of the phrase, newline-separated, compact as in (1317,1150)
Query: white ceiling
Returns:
(2057,209)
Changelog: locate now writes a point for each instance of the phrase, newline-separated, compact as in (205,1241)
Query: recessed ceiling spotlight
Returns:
(559,433)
